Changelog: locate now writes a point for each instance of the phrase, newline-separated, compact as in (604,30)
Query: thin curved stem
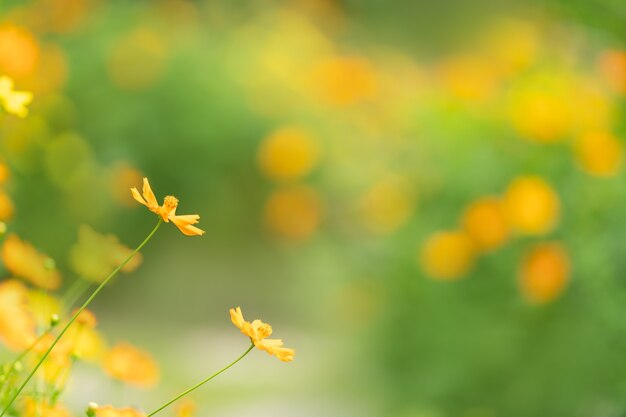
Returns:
(199,384)
(77,313)
(24,353)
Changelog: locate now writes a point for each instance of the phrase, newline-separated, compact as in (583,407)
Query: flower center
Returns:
(170,203)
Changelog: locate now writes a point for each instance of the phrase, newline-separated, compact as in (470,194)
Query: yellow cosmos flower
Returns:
(293,212)
(600,153)
(110,411)
(288,154)
(485,222)
(258,332)
(167,211)
(447,256)
(17,325)
(24,261)
(544,273)
(531,205)
(95,255)
(6,206)
(131,365)
(344,81)
(14,102)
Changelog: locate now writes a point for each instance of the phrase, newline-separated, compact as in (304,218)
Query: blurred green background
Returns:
(425,199)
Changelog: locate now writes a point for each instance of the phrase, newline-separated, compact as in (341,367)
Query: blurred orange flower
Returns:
(17,325)
(167,211)
(485,222)
(109,411)
(19,51)
(14,102)
(613,69)
(599,153)
(258,332)
(544,272)
(23,260)
(531,205)
(448,255)
(288,154)
(293,212)
(94,256)
(131,365)
(6,206)
(344,80)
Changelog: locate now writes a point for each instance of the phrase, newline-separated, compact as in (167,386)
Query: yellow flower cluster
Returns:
(529,206)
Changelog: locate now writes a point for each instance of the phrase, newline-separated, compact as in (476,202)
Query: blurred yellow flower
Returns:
(86,318)
(43,306)
(87,343)
(542,111)
(24,261)
(167,211)
(19,51)
(109,411)
(35,407)
(485,222)
(293,212)
(258,332)
(131,365)
(599,153)
(6,206)
(544,272)
(14,102)
(387,205)
(186,408)
(531,205)
(17,324)
(447,255)
(469,77)
(288,154)
(5,173)
(95,255)
(58,364)
(344,81)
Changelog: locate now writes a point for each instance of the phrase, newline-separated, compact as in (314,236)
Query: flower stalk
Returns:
(199,384)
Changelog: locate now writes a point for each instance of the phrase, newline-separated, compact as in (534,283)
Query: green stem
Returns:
(24,353)
(80,310)
(199,384)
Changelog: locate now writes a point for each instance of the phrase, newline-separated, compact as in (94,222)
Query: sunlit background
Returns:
(425,199)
